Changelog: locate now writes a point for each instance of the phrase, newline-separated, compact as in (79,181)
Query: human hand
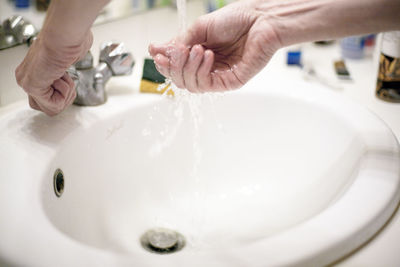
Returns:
(42,73)
(221,51)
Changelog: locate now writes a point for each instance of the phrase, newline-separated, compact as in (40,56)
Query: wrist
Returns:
(265,24)
(67,25)
(288,20)
(58,52)
(59,56)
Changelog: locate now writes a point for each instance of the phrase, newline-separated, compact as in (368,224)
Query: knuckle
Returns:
(22,81)
(53,112)
(53,109)
(18,77)
(58,109)
(50,113)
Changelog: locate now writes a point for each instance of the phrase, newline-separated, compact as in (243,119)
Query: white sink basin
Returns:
(272,178)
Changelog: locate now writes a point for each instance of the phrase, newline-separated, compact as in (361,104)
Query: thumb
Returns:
(197,33)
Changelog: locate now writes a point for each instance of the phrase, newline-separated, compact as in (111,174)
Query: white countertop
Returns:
(162,24)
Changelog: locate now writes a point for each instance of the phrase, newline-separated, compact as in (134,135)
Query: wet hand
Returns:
(221,51)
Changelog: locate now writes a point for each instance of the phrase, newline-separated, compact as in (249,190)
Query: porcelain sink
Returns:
(257,177)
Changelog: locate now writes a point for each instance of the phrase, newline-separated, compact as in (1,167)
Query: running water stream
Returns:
(174,116)
(181,5)
(181,98)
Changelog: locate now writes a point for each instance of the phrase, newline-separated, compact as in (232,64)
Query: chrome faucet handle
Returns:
(119,61)
(88,92)
(90,81)
(20,29)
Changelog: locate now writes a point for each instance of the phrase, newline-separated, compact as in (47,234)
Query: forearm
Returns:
(66,31)
(68,21)
(298,21)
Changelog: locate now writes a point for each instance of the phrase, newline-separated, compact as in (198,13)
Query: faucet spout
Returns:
(90,81)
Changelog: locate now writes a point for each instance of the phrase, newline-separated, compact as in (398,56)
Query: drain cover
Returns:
(161,240)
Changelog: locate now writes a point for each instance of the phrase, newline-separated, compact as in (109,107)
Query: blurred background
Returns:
(35,10)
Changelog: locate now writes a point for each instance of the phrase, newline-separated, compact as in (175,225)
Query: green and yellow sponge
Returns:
(152,79)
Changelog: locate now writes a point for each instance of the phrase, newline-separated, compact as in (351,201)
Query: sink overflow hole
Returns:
(58,182)
(162,241)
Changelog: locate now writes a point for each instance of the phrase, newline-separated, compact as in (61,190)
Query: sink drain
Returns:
(162,241)
(58,182)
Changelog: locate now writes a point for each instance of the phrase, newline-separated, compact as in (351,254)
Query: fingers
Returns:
(162,64)
(204,77)
(63,93)
(68,80)
(72,94)
(170,59)
(61,90)
(188,69)
(178,56)
(72,99)
(33,104)
(58,96)
(198,70)
(191,68)
(48,109)
(158,49)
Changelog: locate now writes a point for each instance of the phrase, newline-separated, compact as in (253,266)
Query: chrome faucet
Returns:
(15,31)
(90,81)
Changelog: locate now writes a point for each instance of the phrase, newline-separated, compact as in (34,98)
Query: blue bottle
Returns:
(22,3)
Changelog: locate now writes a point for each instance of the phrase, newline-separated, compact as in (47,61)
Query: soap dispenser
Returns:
(388,85)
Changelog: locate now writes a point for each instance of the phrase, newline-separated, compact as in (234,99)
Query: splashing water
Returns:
(181,96)
(174,117)
(173,121)
(184,107)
